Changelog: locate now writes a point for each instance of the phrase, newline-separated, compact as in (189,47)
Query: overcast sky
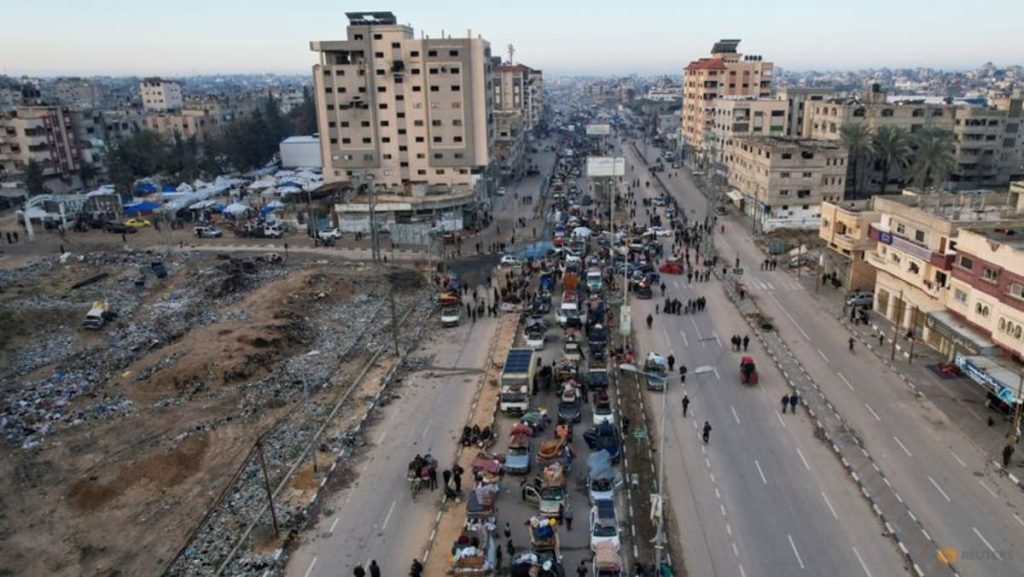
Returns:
(177,37)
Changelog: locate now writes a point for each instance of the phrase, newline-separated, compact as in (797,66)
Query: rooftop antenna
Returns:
(511,54)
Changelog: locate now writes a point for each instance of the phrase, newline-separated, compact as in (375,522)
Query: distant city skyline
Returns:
(188,37)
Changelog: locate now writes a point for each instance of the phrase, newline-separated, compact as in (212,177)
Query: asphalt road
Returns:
(376,518)
(764,497)
(949,483)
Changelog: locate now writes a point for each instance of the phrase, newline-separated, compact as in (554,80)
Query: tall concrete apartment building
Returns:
(43,134)
(412,118)
(725,73)
(160,94)
(797,100)
(782,182)
(742,116)
(517,109)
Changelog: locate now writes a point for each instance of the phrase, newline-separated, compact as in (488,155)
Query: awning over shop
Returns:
(964,337)
(994,377)
(735,196)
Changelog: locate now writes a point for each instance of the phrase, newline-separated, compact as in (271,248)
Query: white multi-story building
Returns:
(160,94)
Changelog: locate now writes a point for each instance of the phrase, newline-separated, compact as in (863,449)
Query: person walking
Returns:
(567,517)
(785,403)
(374,568)
(582,570)
(359,571)
(1007,454)
(707,432)
(508,531)
(682,374)
(746,341)
(650,321)
(417,568)
(793,400)
(446,476)
(457,471)
(671,362)
(881,340)
(432,476)
(851,344)
(497,557)
(625,425)
(686,405)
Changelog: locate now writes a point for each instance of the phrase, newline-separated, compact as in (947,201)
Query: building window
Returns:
(457,122)
(385,123)
(415,70)
(981,310)
(378,36)
(378,55)
(437,139)
(919,235)
(990,275)
(431,53)
(784,174)
(385,139)
(344,124)
(417,89)
(420,155)
(966,262)
(346,141)
(456,88)
(901,229)
(435,122)
(421,172)
(334,141)
(414,54)
(1017,290)
(439,171)
(960,296)
(417,123)
(380,72)
(438,156)
(402,148)
(458,139)
(453,53)
(365,124)
(913,267)
(399,97)
(386,157)
(419,139)
(454,70)
(367,140)
(401,131)
(435,88)
(382,89)
(403,164)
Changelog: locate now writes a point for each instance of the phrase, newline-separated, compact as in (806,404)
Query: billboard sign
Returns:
(598,166)
(599,129)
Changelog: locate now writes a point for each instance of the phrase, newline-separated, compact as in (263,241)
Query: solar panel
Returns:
(518,360)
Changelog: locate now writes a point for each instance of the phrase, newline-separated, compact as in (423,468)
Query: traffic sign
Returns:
(738,271)
(640,434)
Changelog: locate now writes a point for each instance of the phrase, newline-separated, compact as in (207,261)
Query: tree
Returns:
(35,179)
(892,150)
(303,116)
(857,138)
(933,156)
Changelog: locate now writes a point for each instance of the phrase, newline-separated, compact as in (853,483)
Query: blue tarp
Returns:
(170,188)
(146,187)
(141,207)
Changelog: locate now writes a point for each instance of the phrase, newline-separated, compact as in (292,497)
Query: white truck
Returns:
(97,315)
(517,381)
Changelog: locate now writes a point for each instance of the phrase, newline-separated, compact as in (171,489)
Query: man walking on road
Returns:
(1007,454)
(746,341)
(707,432)
(851,344)
(682,374)
(374,569)
(686,405)
(625,425)
(582,570)
(793,400)
(567,517)
(359,571)
(671,362)
(785,403)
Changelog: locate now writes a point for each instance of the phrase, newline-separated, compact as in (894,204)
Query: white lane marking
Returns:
(742,572)
(829,503)
(382,435)
(790,317)
(987,544)
(760,472)
(822,355)
(728,529)
(958,459)
(801,453)
(682,333)
(902,446)
(862,564)
(334,524)
(696,328)
(735,549)
(987,488)
(722,508)
(311,565)
(717,340)
(388,517)
(845,381)
(1019,520)
(717,376)
(873,413)
(795,552)
(430,421)
(779,417)
(734,415)
(939,489)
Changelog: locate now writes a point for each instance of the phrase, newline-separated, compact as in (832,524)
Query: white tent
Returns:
(237,209)
(582,232)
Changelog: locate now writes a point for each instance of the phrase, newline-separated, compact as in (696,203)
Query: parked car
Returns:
(119,228)
(860,299)
(329,234)
(510,260)
(671,267)
(136,222)
(501,191)
(207,232)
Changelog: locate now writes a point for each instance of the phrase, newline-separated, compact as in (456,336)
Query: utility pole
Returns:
(896,326)
(266,484)
(1018,412)
(394,315)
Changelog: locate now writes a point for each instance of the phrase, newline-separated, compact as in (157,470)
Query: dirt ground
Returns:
(116,494)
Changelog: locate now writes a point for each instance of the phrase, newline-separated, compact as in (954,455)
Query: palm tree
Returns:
(933,156)
(856,136)
(892,150)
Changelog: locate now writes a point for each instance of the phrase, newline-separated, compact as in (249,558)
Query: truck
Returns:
(594,280)
(97,315)
(451,309)
(570,307)
(547,491)
(517,377)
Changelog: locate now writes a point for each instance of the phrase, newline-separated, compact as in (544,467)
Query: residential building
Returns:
(797,99)
(43,134)
(161,95)
(202,123)
(846,230)
(781,182)
(78,94)
(988,145)
(742,116)
(725,73)
(410,117)
(516,114)
(824,119)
